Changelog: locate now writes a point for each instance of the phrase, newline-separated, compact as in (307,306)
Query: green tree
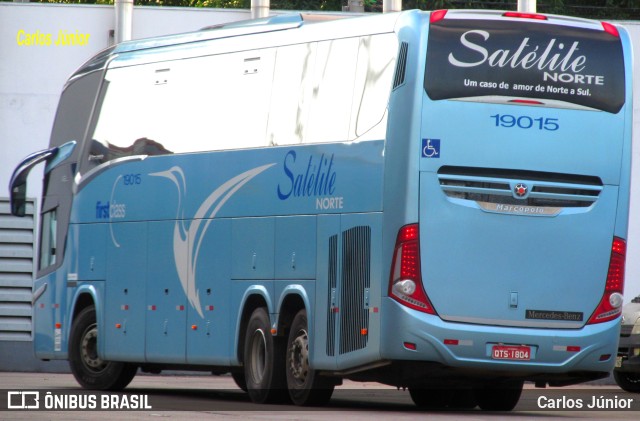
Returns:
(595,9)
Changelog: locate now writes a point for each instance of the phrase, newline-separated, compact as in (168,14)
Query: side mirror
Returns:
(18,199)
(18,184)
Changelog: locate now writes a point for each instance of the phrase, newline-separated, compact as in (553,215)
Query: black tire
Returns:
(502,396)
(629,382)
(264,361)
(463,398)
(90,371)
(306,388)
(431,398)
(238,378)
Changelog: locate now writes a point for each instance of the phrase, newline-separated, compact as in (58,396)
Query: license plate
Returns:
(511,352)
(618,362)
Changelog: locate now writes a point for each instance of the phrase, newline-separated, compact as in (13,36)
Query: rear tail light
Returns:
(610,29)
(437,15)
(610,306)
(521,15)
(526,102)
(405,283)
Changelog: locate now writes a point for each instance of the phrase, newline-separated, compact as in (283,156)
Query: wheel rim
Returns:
(298,357)
(89,350)
(257,363)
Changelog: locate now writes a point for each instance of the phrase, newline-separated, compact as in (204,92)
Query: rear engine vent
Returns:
(401,66)
(333,282)
(356,282)
(519,188)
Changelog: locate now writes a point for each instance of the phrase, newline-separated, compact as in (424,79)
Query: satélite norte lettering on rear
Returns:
(480,58)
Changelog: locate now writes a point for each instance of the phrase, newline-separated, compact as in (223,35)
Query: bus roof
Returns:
(314,25)
(307,26)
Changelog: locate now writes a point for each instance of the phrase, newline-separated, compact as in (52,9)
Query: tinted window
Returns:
(328,91)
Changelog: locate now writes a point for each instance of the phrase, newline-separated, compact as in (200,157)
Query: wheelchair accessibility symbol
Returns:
(431,148)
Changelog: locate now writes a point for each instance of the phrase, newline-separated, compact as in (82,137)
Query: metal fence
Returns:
(17,253)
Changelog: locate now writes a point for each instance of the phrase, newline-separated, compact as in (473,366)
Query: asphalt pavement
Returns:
(186,397)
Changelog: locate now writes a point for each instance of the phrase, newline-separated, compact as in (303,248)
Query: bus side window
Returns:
(291,93)
(332,91)
(374,74)
(100,153)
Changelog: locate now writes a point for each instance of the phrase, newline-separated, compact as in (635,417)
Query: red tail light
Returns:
(521,15)
(610,29)
(610,306)
(437,15)
(526,101)
(405,283)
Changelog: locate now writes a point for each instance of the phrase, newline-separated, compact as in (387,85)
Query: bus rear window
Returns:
(473,58)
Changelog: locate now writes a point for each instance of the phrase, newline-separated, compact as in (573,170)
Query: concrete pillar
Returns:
(260,8)
(354,6)
(527,6)
(391,6)
(124,20)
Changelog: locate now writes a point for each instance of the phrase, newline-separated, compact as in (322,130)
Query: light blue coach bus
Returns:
(431,200)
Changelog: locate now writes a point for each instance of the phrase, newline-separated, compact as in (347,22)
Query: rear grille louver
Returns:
(348,299)
(356,281)
(497,187)
(333,278)
(401,66)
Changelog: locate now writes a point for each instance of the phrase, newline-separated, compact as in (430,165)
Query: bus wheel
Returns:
(629,382)
(238,378)
(503,396)
(463,398)
(305,386)
(91,371)
(430,398)
(263,361)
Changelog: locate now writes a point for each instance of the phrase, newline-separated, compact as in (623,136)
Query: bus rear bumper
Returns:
(409,335)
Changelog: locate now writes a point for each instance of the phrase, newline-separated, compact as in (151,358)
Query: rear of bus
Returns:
(514,269)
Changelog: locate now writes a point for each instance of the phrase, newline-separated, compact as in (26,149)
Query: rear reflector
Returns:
(565,348)
(410,346)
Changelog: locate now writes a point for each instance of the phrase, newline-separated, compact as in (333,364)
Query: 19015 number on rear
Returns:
(526,122)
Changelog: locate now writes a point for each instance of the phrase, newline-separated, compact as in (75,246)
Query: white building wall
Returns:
(32,77)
